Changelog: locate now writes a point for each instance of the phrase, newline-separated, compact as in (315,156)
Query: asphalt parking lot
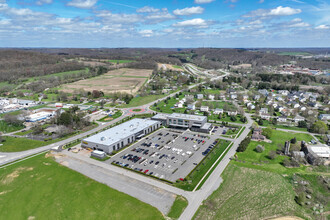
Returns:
(167,154)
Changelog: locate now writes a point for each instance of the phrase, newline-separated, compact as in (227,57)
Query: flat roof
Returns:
(188,117)
(161,116)
(122,131)
(320,150)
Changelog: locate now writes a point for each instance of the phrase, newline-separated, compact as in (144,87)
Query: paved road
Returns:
(214,180)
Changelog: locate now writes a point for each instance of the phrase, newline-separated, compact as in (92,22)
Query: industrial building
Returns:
(120,136)
(41,114)
(176,120)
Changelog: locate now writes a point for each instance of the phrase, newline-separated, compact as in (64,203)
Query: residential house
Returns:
(265,116)
(218,111)
(232,113)
(233,96)
(264,92)
(263,111)
(257,135)
(250,106)
(191,107)
(298,118)
(282,119)
(204,109)
(200,96)
(256,97)
(211,97)
(296,105)
(284,92)
(324,117)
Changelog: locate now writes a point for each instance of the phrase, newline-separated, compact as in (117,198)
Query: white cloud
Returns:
(198,22)
(4,22)
(189,11)
(300,24)
(159,16)
(284,11)
(279,11)
(203,1)
(147,9)
(86,4)
(146,33)
(323,27)
(261,1)
(42,2)
(118,18)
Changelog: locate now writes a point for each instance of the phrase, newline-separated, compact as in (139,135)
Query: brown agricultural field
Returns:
(121,80)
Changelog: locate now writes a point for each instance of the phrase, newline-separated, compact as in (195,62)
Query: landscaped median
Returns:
(178,207)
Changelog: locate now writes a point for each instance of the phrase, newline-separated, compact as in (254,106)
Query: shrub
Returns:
(243,145)
(294,140)
(267,132)
(300,198)
(260,148)
(272,155)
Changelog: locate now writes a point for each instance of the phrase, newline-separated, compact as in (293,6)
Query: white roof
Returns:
(120,132)
(188,117)
(321,150)
(98,152)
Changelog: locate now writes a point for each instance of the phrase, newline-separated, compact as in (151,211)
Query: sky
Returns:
(165,23)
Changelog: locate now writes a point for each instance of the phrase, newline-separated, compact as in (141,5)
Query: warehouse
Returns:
(120,136)
(39,116)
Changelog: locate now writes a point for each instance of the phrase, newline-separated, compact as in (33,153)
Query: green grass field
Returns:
(7,128)
(294,54)
(178,207)
(268,123)
(167,108)
(250,194)
(138,101)
(15,144)
(107,118)
(224,118)
(40,188)
(121,61)
(250,156)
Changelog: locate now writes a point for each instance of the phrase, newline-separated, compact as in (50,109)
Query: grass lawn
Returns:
(138,101)
(216,104)
(121,61)
(256,187)
(14,144)
(200,170)
(178,207)
(168,108)
(320,138)
(40,188)
(108,118)
(268,123)
(7,128)
(224,118)
(250,156)
(178,67)
(250,194)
